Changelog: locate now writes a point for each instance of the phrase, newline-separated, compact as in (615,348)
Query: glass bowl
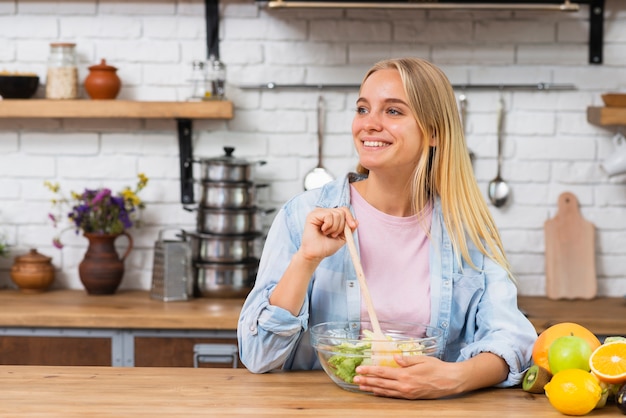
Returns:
(342,346)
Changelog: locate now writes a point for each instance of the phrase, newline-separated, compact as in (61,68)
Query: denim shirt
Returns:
(476,309)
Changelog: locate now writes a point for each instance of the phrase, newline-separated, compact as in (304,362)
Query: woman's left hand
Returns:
(425,377)
(418,377)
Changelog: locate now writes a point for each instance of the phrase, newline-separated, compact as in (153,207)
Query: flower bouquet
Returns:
(98,211)
(102,217)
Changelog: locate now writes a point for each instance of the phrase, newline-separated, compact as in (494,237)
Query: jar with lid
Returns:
(32,272)
(62,79)
(216,79)
(198,81)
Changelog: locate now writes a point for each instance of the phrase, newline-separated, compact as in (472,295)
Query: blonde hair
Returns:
(445,170)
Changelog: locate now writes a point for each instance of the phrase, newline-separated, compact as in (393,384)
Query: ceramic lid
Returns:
(102,66)
(33,257)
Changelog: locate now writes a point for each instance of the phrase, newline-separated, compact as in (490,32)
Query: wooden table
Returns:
(603,316)
(38,391)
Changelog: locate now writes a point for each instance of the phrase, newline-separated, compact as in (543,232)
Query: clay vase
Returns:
(102,83)
(102,269)
(32,272)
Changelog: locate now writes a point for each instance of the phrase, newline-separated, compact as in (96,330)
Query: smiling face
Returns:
(385,132)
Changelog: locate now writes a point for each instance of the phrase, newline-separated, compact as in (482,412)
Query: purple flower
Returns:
(101,195)
(57,242)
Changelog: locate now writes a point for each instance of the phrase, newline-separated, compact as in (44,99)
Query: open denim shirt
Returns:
(477,309)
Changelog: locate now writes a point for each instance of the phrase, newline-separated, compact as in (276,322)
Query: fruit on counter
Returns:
(620,398)
(614,338)
(549,335)
(608,362)
(535,378)
(573,392)
(607,392)
(569,352)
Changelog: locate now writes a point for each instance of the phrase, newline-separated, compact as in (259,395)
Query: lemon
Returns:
(573,392)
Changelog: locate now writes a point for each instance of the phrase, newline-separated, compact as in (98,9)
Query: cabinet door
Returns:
(55,351)
(174,351)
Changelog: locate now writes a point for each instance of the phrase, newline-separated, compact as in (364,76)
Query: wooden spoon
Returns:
(378,333)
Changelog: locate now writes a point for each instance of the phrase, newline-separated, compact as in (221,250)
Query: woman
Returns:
(430,250)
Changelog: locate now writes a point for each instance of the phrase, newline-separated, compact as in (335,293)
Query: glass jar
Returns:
(62,79)
(216,79)
(198,81)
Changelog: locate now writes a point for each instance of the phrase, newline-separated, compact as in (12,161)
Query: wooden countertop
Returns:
(29,391)
(603,316)
(135,310)
(122,310)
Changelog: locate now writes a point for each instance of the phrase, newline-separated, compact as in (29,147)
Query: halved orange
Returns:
(608,362)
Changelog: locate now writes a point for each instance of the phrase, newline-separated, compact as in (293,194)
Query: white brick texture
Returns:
(549,145)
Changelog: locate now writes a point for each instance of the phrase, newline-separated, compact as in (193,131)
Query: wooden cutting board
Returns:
(570,253)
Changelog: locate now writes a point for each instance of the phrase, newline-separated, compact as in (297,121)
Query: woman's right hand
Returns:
(324,232)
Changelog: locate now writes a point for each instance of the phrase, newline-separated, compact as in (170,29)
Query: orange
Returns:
(573,392)
(547,337)
(608,362)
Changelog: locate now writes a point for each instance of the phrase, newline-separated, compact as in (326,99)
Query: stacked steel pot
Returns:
(226,244)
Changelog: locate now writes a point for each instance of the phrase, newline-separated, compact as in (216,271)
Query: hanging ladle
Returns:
(499,190)
(318,176)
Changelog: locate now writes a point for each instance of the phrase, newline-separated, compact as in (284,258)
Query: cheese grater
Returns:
(172,276)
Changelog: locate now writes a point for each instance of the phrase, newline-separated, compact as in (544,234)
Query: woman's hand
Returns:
(322,236)
(424,377)
(323,232)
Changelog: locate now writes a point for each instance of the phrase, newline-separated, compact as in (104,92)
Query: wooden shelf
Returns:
(218,109)
(606,116)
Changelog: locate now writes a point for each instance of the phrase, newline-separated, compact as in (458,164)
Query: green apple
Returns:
(569,352)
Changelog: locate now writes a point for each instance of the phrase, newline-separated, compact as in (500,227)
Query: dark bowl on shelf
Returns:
(18,86)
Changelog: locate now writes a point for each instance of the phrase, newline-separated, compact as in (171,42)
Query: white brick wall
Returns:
(550,147)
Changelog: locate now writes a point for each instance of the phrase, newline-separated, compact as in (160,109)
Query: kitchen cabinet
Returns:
(70,327)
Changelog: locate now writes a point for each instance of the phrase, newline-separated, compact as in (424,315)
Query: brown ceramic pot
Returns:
(102,83)
(102,269)
(32,272)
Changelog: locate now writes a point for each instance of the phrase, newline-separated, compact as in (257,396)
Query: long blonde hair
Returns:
(445,170)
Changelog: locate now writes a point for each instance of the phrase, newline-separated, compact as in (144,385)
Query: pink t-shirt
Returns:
(394,253)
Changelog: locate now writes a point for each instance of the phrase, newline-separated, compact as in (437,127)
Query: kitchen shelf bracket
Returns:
(596,31)
(186,160)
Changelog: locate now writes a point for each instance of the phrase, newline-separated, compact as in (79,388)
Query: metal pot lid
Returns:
(221,237)
(253,262)
(229,184)
(226,159)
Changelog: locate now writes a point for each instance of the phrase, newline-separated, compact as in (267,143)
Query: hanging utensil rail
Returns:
(321,86)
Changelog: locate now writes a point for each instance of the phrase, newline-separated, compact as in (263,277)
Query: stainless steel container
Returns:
(227,168)
(225,280)
(229,195)
(230,221)
(209,248)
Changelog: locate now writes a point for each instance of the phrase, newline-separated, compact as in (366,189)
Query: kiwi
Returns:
(535,379)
